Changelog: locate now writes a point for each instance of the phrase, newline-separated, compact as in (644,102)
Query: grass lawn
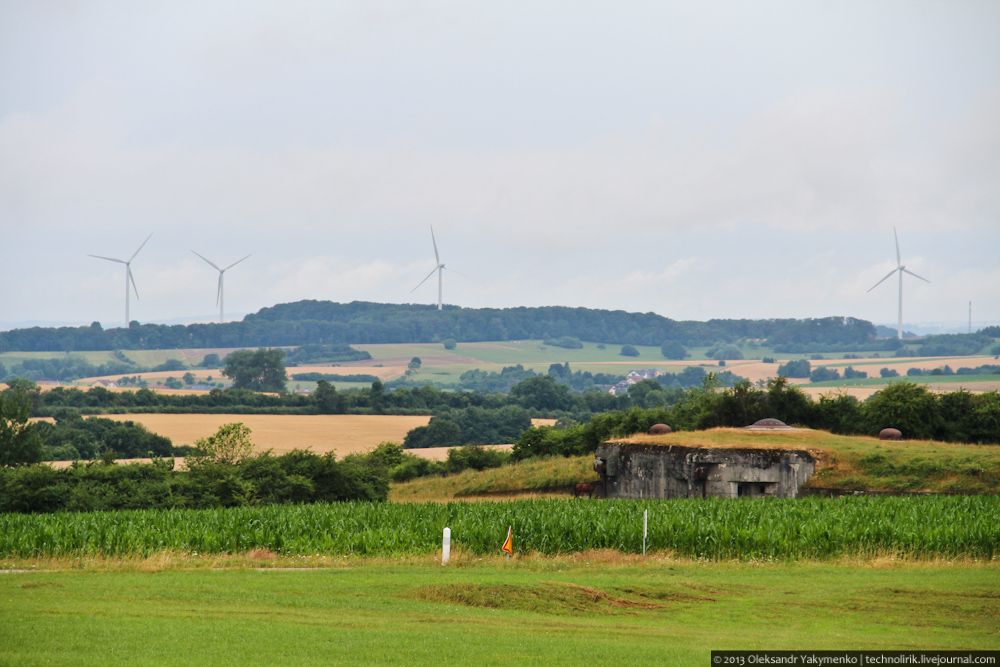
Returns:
(568,611)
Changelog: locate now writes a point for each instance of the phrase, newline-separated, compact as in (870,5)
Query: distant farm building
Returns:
(659,471)
(633,377)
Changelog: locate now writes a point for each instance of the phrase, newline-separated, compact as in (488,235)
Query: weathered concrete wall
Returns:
(656,471)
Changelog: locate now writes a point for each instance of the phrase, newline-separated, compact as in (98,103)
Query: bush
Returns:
(230,445)
(724,351)
(911,408)
(824,374)
(567,342)
(449,343)
(296,477)
(475,457)
(799,368)
(671,349)
(888,373)
(851,374)
(628,351)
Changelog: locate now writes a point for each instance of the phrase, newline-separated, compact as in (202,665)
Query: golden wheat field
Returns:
(341,434)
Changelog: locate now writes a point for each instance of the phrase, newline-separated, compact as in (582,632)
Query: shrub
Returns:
(671,349)
(824,374)
(724,351)
(628,351)
(798,368)
(567,342)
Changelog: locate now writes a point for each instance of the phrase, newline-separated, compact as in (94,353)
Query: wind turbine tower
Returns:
(128,275)
(439,268)
(900,269)
(219,295)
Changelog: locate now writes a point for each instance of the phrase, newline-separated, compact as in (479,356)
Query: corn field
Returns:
(918,527)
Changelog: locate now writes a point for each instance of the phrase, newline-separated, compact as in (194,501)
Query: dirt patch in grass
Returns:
(547,598)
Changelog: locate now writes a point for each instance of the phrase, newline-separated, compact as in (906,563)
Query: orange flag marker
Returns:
(508,544)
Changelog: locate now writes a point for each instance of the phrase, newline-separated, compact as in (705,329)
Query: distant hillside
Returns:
(305,322)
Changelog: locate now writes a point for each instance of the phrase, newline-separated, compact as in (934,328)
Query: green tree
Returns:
(542,393)
(824,374)
(327,399)
(257,370)
(230,445)
(910,407)
(723,351)
(414,364)
(19,440)
(629,351)
(787,402)
(671,349)
(210,360)
(798,368)
(449,343)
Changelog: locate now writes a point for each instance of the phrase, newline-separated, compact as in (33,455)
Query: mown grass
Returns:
(917,527)
(859,463)
(490,613)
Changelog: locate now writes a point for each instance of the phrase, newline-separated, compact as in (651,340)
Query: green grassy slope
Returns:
(562,612)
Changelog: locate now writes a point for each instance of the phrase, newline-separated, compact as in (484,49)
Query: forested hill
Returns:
(305,322)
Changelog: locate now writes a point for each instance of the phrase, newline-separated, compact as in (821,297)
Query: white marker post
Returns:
(645,529)
(446,546)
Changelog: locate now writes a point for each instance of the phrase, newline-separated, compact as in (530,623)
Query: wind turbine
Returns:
(128,274)
(901,270)
(219,296)
(439,268)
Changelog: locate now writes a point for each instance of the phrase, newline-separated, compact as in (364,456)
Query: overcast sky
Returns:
(698,160)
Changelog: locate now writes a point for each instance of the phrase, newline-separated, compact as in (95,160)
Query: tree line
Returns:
(329,323)
(919,413)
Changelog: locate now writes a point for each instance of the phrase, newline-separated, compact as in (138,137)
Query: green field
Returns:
(715,528)
(552,612)
(958,380)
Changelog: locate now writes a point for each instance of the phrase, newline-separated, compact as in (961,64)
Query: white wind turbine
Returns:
(439,267)
(128,275)
(219,296)
(901,270)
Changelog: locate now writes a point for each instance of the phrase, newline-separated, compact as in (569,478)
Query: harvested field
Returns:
(432,453)
(343,434)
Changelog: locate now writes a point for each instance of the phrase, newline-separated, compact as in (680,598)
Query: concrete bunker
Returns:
(660,471)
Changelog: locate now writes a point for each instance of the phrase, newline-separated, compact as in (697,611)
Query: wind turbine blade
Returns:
(140,247)
(218,292)
(899,262)
(424,280)
(132,280)
(882,281)
(235,263)
(208,260)
(915,275)
(437,258)
(459,273)
(110,259)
